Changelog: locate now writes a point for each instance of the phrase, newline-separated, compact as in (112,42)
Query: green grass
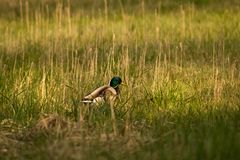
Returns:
(180,63)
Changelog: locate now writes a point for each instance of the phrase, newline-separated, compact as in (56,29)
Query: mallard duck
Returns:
(106,93)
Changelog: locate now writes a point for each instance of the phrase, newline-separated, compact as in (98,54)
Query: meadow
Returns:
(180,61)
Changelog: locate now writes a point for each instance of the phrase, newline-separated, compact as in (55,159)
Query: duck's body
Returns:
(101,95)
(106,93)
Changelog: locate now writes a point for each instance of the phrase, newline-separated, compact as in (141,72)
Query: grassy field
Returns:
(180,61)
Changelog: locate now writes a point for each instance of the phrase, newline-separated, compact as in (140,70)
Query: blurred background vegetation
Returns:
(11,9)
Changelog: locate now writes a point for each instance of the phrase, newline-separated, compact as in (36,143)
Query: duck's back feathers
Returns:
(96,93)
(101,94)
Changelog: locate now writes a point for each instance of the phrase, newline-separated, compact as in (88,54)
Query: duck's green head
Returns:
(115,82)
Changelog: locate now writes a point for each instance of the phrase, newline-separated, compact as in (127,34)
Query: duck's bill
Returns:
(123,84)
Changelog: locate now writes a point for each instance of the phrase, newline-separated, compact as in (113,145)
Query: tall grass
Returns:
(181,68)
